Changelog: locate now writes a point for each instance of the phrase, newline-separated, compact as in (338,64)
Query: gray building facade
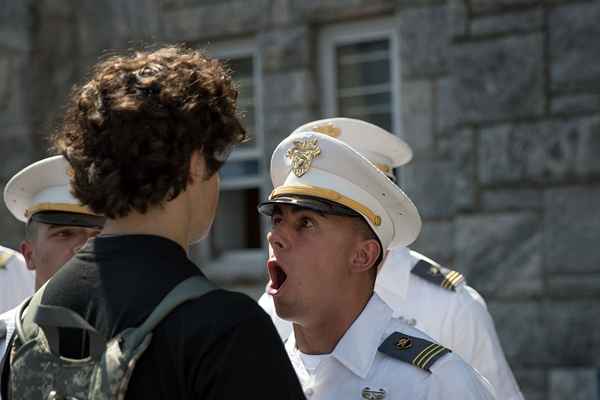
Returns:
(500,100)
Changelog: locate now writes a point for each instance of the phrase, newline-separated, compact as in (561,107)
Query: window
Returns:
(360,72)
(237,235)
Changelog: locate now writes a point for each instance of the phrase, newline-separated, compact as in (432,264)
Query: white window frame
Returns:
(355,32)
(245,264)
(240,49)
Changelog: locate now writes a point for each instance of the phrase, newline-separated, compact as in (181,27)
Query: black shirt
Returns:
(219,346)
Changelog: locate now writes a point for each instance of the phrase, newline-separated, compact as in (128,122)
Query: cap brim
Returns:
(312,203)
(70,219)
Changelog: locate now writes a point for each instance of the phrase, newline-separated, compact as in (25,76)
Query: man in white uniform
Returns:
(333,213)
(56,224)
(16,281)
(434,299)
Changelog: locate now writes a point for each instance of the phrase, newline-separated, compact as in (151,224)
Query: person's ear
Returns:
(26,248)
(197,166)
(365,255)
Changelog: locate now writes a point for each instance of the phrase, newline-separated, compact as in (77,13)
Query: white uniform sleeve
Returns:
(476,341)
(16,282)
(452,378)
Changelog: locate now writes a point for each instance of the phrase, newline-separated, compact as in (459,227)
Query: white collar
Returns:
(392,278)
(356,350)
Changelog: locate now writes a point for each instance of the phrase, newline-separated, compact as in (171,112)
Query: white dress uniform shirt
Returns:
(356,369)
(16,281)
(458,319)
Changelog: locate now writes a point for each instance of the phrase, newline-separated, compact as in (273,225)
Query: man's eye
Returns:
(306,223)
(64,234)
(275,219)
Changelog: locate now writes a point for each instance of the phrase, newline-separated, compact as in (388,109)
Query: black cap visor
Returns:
(67,218)
(312,203)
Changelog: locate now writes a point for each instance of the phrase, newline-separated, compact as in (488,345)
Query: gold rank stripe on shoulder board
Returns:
(419,352)
(4,257)
(439,276)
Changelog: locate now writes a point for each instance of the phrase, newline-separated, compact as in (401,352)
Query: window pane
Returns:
(364,74)
(238,169)
(237,223)
(364,88)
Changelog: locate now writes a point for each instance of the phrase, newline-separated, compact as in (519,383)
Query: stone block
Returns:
(495,80)
(5,81)
(430,184)
(15,90)
(571,225)
(458,18)
(463,156)
(529,21)
(542,152)
(500,254)
(18,150)
(446,117)
(522,333)
(565,285)
(15,25)
(511,200)
(324,11)
(227,18)
(435,241)
(574,384)
(572,335)
(288,89)
(574,50)
(532,383)
(575,104)
(495,6)
(284,49)
(125,24)
(417,114)
(424,42)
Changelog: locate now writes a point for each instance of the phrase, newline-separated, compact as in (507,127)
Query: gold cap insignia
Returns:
(369,394)
(302,155)
(404,343)
(328,129)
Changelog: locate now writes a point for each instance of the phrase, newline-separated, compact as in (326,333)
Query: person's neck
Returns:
(322,336)
(169,220)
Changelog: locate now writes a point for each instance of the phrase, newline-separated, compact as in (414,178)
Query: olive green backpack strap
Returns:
(190,289)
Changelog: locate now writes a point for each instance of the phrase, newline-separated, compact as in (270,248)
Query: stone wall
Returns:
(500,101)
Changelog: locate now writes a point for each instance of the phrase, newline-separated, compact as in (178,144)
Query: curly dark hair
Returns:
(129,132)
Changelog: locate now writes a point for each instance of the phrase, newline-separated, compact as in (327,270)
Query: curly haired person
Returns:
(145,138)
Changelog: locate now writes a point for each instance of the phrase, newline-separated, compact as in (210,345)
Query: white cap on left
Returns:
(42,186)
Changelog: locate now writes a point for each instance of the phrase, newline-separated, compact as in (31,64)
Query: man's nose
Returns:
(277,240)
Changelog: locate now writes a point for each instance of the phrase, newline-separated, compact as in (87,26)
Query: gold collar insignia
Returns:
(302,155)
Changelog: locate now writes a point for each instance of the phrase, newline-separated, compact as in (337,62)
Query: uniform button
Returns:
(309,392)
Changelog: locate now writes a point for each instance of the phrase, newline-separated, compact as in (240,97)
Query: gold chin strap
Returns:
(65,207)
(330,195)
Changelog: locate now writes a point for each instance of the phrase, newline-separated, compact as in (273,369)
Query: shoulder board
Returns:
(413,350)
(439,276)
(5,255)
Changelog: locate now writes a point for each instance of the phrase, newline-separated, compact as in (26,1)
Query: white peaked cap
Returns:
(313,164)
(384,149)
(40,187)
